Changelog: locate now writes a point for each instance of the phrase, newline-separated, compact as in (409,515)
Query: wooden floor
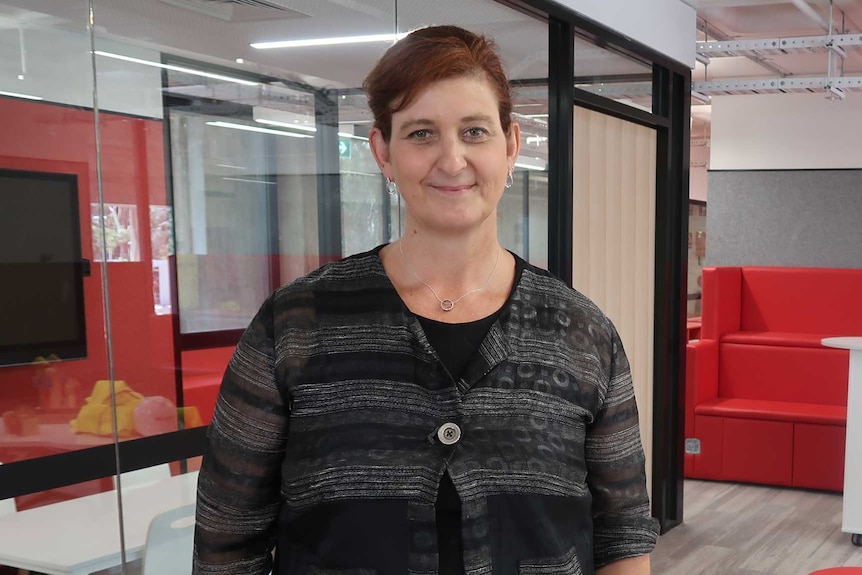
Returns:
(733,529)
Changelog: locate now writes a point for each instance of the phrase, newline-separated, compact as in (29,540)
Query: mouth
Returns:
(453,189)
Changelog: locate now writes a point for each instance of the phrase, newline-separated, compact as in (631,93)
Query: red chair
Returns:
(839,571)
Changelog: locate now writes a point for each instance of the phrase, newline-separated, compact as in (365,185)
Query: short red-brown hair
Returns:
(429,55)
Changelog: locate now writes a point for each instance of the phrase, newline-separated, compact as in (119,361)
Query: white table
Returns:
(82,535)
(852,517)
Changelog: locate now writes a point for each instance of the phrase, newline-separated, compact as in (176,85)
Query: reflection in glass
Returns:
(120,222)
(229,168)
(611,73)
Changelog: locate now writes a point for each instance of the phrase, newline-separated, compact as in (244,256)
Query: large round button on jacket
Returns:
(449,433)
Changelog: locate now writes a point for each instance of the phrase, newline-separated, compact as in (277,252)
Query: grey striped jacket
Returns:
(324,444)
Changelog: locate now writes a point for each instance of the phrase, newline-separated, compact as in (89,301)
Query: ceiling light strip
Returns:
(334,41)
(529,166)
(17,95)
(175,68)
(249,181)
(243,127)
(302,127)
(352,136)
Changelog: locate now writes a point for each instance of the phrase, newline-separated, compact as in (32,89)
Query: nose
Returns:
(452,155)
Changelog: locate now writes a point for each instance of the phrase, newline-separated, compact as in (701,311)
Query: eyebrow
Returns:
(422,122)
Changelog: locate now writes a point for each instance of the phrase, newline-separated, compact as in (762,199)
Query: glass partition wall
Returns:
(55,254)
(199,173)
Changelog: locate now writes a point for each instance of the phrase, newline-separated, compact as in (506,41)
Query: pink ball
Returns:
(155,415)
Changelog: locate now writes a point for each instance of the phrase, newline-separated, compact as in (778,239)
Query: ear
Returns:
(380,150)
(513,143)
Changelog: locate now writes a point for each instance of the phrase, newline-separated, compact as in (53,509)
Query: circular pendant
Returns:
(447,304)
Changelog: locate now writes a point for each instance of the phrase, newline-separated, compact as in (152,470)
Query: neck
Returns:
(454,263)
(472,271)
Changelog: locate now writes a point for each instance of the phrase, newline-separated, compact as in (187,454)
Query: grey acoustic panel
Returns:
(804,218)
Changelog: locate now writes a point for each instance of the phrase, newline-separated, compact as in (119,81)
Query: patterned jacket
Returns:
(329,437)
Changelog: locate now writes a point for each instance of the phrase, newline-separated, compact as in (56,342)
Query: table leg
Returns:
(852,511)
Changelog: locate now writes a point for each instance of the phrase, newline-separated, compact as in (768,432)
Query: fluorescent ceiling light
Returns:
(256,129)
(352,136)
(283,119)
(302,127)
(250,181)
(17,95)
(529,166)
(175,68)
(328,41)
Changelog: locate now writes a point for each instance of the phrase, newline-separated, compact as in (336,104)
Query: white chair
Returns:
(143,477)
(170,543)
(7,506)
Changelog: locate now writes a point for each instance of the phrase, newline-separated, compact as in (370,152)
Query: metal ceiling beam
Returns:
(718,35)
(720,48)
(835,86)
(794,83)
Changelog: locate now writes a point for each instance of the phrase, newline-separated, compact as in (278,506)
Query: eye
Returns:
(419,135)
(475,133)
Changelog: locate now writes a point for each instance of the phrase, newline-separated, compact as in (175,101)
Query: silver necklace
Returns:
(449,304)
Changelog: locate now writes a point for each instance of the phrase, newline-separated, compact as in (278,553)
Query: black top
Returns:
(455,344)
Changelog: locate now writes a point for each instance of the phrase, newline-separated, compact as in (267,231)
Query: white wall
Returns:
(785,131)
(666,26)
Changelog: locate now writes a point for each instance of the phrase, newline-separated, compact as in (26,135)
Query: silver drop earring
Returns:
(510,179)
(392,187)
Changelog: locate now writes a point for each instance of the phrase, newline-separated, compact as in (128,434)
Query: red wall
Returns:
(47,137)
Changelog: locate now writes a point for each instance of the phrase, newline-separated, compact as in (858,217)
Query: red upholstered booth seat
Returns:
(766,400)
(774,410)
(774,338)
(202,374)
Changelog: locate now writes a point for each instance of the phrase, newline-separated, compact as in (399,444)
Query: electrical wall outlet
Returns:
(692,445)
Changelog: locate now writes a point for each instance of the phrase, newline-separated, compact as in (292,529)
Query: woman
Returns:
(436,405)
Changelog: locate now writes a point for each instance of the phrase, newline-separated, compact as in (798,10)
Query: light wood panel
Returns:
(614,238)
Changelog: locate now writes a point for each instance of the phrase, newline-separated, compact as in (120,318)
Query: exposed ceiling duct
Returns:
(806,9)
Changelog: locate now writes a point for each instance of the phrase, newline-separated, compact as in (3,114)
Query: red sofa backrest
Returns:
(804,300)
(721,293)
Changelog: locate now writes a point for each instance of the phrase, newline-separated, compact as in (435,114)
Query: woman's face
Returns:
(449,155)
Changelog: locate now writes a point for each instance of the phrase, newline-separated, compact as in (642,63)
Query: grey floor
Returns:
(734,529)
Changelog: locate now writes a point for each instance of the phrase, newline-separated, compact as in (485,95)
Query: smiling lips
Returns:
(453,189)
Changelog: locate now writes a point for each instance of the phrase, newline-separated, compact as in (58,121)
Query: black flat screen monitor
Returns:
(41,270)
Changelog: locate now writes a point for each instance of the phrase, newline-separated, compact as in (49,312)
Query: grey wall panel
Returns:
(805,218)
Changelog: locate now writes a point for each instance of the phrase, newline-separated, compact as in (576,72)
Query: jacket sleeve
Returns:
(239,485)
(622,526)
